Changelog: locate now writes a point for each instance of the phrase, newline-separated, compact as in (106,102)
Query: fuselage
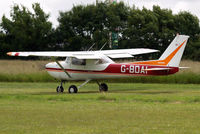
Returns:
(105,71)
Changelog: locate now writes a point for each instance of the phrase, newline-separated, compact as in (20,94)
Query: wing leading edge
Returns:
(119,53)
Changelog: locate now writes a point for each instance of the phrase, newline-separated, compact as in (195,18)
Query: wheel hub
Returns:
(71,90)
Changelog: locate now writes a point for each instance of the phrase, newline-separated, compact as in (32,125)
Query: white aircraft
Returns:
(95,65)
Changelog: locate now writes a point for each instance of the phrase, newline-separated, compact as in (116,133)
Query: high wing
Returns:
(119,53)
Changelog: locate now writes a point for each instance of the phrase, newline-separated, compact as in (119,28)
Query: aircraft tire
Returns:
(59,89)
(103,87)
(73,89)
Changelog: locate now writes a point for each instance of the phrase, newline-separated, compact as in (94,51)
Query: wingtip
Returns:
(9,53)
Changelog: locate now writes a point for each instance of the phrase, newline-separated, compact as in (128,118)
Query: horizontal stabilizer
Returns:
(184,67)
(156,69)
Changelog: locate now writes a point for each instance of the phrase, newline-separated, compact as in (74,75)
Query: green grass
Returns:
(126,109)
(32,77)
(182,78)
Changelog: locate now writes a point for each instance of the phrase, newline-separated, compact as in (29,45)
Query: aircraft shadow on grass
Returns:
(131,91)
(142,91)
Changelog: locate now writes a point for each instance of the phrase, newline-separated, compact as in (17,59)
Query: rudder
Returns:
(173,54)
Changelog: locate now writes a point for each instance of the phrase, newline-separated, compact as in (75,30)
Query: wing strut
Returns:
(63,69)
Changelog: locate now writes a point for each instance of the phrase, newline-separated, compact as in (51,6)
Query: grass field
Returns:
(126,109)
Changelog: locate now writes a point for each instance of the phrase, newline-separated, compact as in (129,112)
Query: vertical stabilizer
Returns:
(173,54)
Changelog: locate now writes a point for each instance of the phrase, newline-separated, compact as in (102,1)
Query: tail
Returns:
(173,54)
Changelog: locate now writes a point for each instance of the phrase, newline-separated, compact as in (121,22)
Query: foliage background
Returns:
(83,26)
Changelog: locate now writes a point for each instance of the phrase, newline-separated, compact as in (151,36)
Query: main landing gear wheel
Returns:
(73,89)
(59,89)
(103,87)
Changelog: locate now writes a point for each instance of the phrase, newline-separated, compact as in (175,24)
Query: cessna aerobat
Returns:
(96,65)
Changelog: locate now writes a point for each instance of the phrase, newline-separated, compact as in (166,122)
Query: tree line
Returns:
(83,26)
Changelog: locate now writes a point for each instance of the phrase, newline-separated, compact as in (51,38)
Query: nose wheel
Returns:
(60,88)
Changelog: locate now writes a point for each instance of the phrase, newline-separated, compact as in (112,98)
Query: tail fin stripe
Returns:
(167,60)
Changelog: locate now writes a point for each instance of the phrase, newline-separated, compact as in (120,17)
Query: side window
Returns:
(68,59)
(76,61)
(100,61)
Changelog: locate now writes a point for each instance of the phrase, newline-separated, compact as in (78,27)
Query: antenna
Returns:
(91,47)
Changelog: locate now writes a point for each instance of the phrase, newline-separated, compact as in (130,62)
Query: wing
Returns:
(126,53)
(78,55)
(119,53)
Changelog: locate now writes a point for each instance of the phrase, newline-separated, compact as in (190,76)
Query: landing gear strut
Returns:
(74,89)
(60,88)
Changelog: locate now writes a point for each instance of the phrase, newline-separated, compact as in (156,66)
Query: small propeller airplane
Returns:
(96,65)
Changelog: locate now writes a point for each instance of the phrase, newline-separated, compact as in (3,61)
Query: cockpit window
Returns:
(76,61)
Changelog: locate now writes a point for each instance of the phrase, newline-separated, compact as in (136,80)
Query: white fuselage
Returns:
(95,69)
(77,72)
(92,69)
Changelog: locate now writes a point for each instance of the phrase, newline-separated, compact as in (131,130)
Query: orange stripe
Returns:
(168,59)
(161,62)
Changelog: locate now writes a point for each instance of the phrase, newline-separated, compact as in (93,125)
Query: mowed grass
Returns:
(125,109)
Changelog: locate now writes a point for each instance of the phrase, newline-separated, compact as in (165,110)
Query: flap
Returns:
(119,55)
